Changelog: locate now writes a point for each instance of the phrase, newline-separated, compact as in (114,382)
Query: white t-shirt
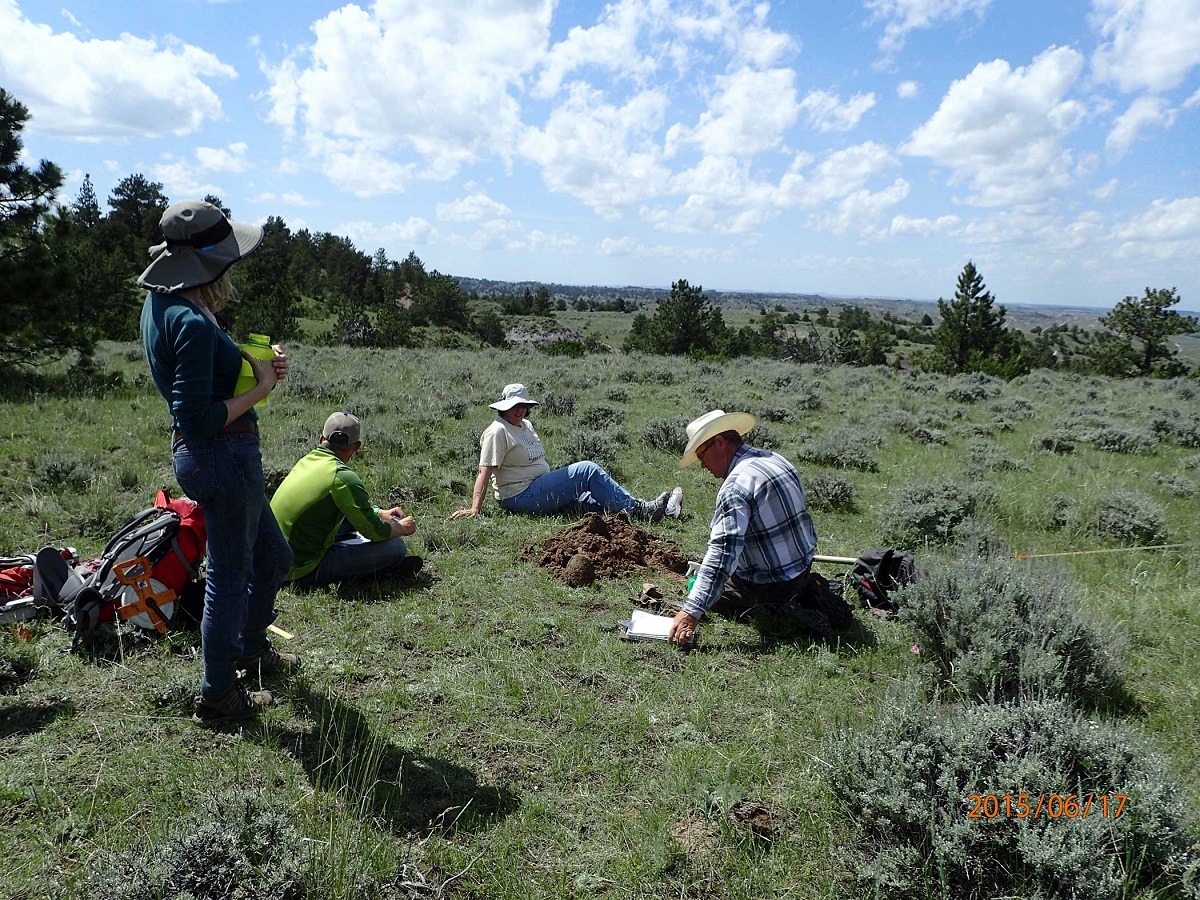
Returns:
(517,451)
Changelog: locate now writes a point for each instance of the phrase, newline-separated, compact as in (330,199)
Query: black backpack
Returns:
(880,571)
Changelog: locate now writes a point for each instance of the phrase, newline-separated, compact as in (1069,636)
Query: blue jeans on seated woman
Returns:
(581,487)
(352,557)
(248,557)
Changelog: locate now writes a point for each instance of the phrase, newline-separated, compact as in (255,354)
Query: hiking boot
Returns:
(650,510)
(268,661)
(675,503)
(234,705)
(407,567)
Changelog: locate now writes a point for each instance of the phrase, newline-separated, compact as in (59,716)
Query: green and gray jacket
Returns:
(318,494)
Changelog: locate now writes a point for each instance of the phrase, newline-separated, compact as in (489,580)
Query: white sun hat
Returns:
(710,425)
(511,396)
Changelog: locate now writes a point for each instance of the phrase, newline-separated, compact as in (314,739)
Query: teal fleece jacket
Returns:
(194,364)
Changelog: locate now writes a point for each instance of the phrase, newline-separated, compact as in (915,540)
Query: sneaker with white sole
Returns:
(649,510)
(675,503)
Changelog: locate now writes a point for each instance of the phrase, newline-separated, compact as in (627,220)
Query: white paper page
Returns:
(649,625)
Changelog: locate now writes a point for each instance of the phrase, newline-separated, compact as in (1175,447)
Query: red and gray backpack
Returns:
(140,576)
(879,572)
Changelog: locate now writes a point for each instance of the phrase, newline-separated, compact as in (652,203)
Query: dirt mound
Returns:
(603,547)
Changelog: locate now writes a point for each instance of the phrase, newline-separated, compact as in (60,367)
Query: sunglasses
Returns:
(704,448)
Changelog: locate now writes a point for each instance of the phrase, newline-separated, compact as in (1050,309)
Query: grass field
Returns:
(482,732)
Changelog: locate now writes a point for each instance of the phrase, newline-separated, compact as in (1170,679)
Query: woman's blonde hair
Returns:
(217,294)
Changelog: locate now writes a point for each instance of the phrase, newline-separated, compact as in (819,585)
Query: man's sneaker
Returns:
(675,503)
(407,567)
(268,661)
(235,704)
(650,510)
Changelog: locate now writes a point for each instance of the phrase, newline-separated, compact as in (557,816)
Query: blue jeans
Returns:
(581,487)
(247,555)
(352,556)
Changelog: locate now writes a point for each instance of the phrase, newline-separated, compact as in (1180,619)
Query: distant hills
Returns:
(1023,317)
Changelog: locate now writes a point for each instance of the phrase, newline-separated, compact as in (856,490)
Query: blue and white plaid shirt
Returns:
(761,530)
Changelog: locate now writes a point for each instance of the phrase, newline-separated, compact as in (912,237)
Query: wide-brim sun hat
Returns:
(710,425)
(201,244)
(512,395)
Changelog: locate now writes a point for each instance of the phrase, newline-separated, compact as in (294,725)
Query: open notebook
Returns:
(644,626)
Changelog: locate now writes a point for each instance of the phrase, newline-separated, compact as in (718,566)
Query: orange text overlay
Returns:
(1050,806)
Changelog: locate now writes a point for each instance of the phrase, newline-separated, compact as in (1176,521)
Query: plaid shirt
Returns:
(761,530)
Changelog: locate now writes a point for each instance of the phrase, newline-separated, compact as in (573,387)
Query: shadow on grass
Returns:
(345,754)
(28,716)
(776,629)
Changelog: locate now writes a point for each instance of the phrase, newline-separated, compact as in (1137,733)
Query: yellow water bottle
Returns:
(258,346)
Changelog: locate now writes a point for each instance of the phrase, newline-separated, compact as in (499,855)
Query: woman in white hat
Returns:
(513,459)
(215,450)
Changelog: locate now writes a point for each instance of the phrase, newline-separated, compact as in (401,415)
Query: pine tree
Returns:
(40,321)
(683,323)
(1147,319)
(971,336)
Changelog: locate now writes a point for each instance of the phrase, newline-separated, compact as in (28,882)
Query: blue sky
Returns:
(846,148)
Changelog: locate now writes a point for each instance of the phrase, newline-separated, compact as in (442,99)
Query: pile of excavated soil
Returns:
(603,547)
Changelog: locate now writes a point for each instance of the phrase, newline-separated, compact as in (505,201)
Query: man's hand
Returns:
(683,629)
(402,525)
(459,513)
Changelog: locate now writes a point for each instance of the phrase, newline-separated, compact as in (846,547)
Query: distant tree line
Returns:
(971,336)
(67,280)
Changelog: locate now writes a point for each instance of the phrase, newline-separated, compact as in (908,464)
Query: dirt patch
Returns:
(696,836)
(599,547)
(757,817)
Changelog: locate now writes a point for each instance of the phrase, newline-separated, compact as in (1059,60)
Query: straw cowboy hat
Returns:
(710,425)
(511,396)
(200,245)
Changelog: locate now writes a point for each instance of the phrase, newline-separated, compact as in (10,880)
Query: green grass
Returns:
(485,726)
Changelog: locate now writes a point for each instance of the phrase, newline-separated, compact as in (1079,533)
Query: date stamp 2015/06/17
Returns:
(1052,806)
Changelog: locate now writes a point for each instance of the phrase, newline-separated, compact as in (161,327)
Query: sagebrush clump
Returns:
(827,492)
(995,630)
(930,511)
(914,785)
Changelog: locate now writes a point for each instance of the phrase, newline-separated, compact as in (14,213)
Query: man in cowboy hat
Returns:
(335,533)
(762,539)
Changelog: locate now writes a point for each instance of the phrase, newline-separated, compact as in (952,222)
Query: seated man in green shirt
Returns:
(335,533)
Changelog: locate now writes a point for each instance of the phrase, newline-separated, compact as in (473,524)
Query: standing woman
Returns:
(215,449)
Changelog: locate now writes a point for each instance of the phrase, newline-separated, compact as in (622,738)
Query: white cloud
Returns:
(602,154)
(903,16)
(397,237)
(1108,190)
(906,90)
(612,43)
(827,112)
(1143,112)
(749,114)
(215,159)
(631,247)
(905,226)
(1001,130)
(473,208)
(860,210)
(1148,44)
(188,177)
(287,198)
(510,236)
(1164,221)
(90,90)
(416,88)
(1193,100)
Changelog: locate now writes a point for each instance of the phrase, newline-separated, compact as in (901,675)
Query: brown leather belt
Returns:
(237,426)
